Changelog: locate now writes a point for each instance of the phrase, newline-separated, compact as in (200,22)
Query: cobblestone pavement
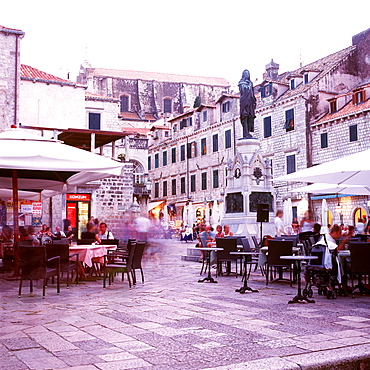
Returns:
(173,322)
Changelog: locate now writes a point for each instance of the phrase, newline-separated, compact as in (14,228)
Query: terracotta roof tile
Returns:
(182,115)
(347,110)
(323,65)
(135,130)
(133,116)
(11,30)
(33,74)
(163,77)
(90,96)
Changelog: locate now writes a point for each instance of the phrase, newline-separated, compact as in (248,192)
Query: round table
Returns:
(298,259)
(209,250)
(245,287)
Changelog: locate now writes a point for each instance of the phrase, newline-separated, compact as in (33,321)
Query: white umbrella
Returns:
(320,188)
(190,214)
(288,214)
(29,195)
(215,214)
(353,169)
(324,217)
(28,161)
(185,214)
(207,214)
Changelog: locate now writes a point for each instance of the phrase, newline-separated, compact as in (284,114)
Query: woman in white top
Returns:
(306,222)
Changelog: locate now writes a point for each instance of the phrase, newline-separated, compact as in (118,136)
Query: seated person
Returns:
(59,234)
(69,233)
(104,233)
(219,233)
(89,233)
(227,231)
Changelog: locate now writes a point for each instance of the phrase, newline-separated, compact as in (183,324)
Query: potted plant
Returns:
(121,157)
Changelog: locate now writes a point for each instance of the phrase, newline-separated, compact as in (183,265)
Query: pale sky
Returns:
(194,37)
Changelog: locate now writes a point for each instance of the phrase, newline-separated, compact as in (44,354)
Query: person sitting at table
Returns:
(59,234)
(227,231)
(104,233)
(316,232)
(32,235)
(44,229)
(89,233)
(219,233)
(207,237)
(69,233)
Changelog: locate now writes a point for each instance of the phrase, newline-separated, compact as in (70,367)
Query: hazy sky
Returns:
(202,37)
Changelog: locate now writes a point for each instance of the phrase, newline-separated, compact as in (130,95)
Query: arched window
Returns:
(138,172)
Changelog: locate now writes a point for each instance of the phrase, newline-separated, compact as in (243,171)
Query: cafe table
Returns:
(298,260)
(90,254)
(246,274)
(262,258)
(208,251)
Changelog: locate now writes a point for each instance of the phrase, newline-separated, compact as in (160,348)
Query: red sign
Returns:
(71,213)
(79,197)
(37,208)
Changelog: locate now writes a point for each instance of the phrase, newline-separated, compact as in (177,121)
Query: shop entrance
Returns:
(78,211)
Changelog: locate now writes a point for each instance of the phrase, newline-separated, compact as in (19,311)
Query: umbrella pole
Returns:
(15,221)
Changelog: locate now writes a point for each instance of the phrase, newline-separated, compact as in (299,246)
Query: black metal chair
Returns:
(68,263)
(136,261)
(360,263)
(117,261)
(277,248)
(228,245)
(35,265)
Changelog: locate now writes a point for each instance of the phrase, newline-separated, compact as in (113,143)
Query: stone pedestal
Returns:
(248,183)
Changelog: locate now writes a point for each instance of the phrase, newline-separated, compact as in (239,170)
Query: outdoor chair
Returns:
(136,262)
(68,263)
(116,262)
(253,259)
(85,241)
(360,264)
(35,265)
(255,243)
(277,248)
(228,245)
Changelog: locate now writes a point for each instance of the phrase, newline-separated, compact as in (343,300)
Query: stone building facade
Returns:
(290,111)
(9,76)
(149,94)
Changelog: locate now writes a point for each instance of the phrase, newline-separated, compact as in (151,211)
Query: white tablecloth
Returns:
(87,252)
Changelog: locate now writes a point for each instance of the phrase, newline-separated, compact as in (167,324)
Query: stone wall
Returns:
(7,79)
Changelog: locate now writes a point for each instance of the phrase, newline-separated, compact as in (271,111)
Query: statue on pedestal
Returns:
(247,104)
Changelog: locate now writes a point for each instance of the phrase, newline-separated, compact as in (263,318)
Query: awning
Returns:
(331,196)
(152,205)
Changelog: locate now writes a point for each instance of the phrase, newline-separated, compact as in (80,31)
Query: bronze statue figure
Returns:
(247,104)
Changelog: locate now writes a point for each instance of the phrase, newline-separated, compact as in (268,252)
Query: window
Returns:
(182,185)
(305,78)
(173,155)
(173,187)
(289,120)
(164,188)
(203,145)
(353,133)
(174,128)
(94,121)
(204,116)
(182,124)
(266,90)
(192,183)
(182,152)
(186,122)
(164,158)
(267,126)
(204,180)
(191,150)
(156,190)
(333,106)
(324,140)
(167,105)
(215,178)
(166,134)
(290,163)
(226,107)
(149,163)
(189,121)
(156,160)
(227,139)
(124,103)
(358,97)
(215,142)
(292,84)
